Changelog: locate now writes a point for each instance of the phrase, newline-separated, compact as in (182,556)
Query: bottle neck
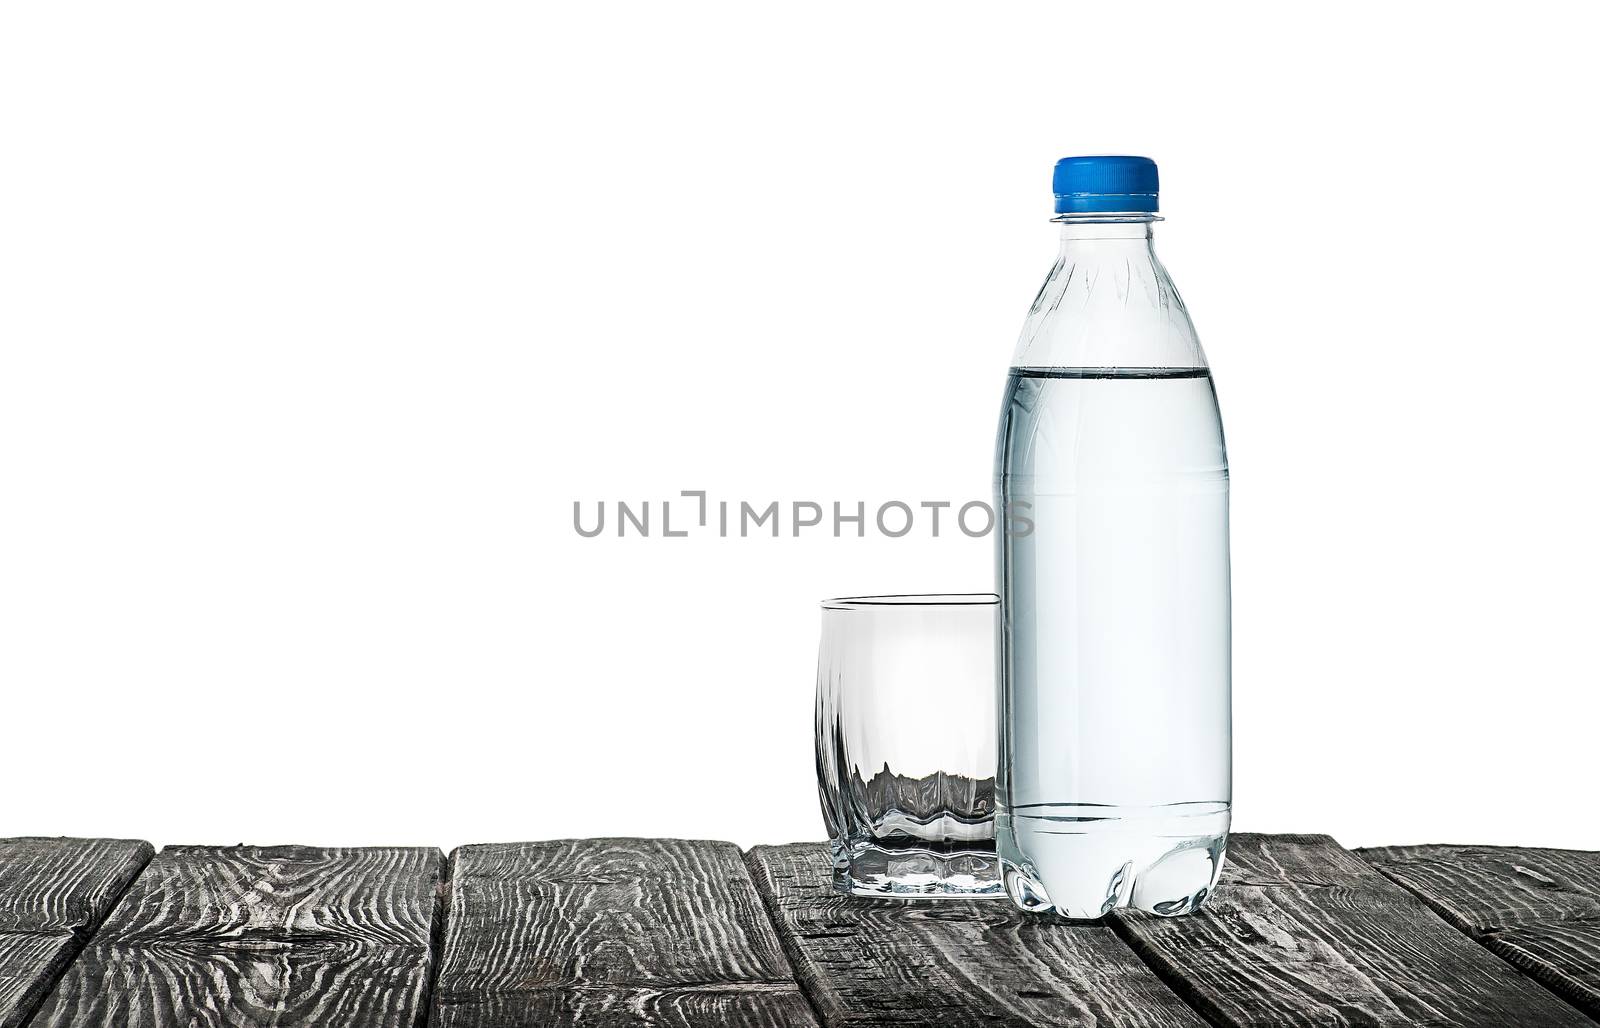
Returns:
(1093,233)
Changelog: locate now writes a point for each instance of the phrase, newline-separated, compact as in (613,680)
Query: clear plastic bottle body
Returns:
(1114,784)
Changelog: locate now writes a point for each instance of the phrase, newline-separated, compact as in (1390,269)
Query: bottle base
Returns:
(1084,865)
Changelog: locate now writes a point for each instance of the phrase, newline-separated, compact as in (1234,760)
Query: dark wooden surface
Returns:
(951,963)
(53,895)
(610,932)
(281,936)
(1537,908)
(1302,932)
(662,932)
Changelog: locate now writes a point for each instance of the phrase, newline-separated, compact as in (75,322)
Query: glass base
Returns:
(915,873)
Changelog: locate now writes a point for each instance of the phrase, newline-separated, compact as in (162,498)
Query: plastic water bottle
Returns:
(1114,784)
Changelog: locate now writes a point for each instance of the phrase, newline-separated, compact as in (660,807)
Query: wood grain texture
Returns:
(1537,908)
(610,932)
(241,936)
(53,895)
(950,963)
(1302,932)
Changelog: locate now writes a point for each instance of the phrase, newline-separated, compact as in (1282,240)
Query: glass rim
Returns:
(912,600)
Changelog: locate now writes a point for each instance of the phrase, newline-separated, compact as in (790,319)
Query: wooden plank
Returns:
(1537,908)
(1301,931)
(950,963)
(53,895)
(610,932)
(249,935)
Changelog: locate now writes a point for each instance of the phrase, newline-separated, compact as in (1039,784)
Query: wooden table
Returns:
(663,932)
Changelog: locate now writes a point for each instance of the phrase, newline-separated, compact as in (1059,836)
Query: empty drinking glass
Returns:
(906,743)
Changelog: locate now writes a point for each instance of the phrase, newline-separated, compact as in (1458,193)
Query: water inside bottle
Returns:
(1115,784)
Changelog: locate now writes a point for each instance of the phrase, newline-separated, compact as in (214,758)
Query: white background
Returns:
(317,318)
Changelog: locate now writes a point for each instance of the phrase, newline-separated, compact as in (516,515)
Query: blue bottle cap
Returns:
(1097,185)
